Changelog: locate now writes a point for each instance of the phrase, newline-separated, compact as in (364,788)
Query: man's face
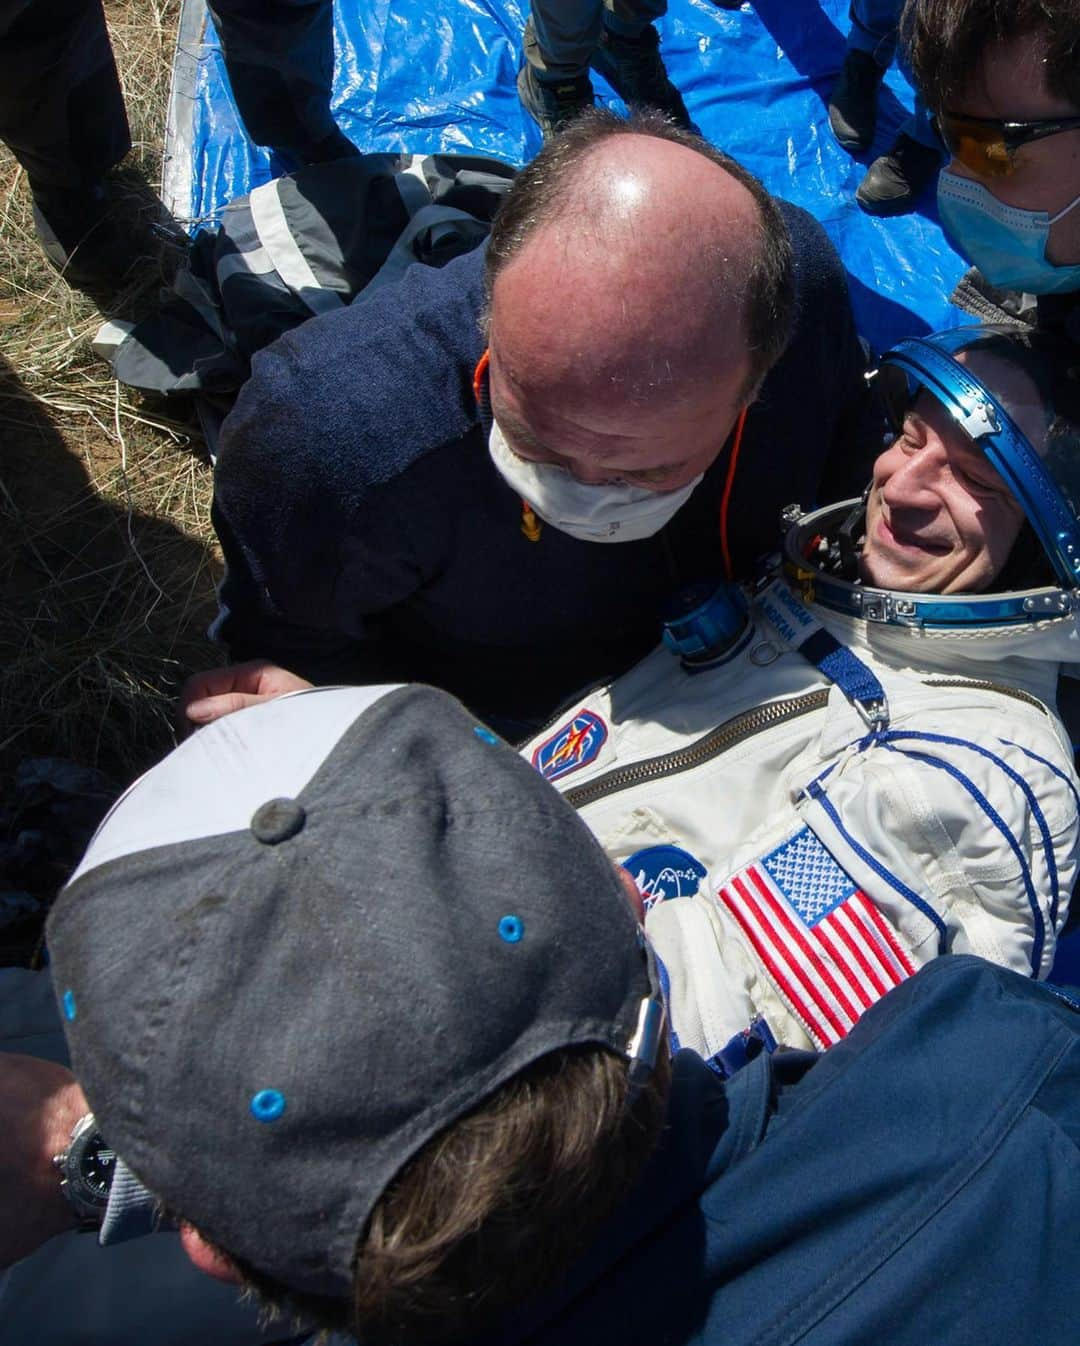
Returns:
(1010,85)
(939,518)
(600,437)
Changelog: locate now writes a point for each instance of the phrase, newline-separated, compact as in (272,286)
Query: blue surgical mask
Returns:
(1007,244)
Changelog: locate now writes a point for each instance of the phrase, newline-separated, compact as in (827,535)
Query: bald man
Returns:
(492,477)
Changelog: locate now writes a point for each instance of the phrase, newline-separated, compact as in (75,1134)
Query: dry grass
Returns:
(106,557)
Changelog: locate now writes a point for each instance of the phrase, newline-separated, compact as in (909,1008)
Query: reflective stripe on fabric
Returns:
(412,185)
(276,237)
(403,255)
(258,262)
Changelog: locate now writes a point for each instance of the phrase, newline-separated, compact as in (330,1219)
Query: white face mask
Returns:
(611,513)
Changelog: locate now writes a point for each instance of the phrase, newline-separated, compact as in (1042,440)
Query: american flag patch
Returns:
(828,950)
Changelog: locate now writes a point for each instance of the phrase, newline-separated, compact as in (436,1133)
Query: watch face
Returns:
(98,1163)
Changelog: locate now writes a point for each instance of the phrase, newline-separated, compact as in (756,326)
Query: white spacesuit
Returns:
(821,797)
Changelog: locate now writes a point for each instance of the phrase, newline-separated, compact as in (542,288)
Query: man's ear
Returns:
(206,1257)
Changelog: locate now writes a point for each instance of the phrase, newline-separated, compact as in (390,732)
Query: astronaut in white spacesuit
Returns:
(823,785)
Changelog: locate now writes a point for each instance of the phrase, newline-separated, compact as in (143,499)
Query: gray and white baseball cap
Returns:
(319,932)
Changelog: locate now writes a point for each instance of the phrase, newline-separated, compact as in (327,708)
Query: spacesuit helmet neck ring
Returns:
(1015,392)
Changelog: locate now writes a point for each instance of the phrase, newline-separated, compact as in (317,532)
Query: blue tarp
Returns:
(438,75)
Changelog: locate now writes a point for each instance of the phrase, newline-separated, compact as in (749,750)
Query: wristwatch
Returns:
(86,1173)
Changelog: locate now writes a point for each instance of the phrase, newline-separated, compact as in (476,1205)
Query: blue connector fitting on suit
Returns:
(705,622)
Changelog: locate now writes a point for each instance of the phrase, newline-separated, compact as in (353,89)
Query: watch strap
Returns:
(132,1210)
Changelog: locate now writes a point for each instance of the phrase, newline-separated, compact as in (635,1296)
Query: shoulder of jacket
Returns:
(357,397)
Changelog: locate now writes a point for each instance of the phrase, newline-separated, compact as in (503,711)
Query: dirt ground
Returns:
(107,563)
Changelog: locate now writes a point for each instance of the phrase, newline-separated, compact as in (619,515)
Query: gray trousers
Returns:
(874,25)
(561,35)
(62,114)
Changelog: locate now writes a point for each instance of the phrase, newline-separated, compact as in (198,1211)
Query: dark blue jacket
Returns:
(918,1185)
(368,536)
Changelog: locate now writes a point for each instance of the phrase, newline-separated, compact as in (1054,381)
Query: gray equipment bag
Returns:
(298,246)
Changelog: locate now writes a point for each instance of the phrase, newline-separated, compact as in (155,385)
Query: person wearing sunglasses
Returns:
(1003,81)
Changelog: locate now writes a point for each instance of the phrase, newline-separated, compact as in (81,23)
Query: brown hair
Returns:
(947,39)
(492,1210)
(549,186)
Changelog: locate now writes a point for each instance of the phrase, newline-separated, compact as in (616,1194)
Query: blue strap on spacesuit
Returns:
(840,665)
(802,632)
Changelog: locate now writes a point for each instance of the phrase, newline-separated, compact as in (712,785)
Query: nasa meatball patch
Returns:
(661,872)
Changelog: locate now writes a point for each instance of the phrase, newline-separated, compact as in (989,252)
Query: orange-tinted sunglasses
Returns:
(987,146)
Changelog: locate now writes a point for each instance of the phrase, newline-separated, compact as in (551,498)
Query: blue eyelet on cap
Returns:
(268,1105)
(512,929)
(69,1005)
(485,734)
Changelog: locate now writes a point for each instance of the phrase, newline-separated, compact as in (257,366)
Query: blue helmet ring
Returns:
(906,608)
(1044,477)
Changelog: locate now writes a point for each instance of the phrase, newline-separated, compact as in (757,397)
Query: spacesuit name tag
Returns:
(786,615)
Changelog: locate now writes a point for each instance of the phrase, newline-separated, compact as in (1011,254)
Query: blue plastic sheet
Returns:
(438,75)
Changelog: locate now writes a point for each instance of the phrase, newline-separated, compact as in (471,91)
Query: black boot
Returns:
(98,236)
(634,69)
(82,237)
(895,181)
(553,105)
